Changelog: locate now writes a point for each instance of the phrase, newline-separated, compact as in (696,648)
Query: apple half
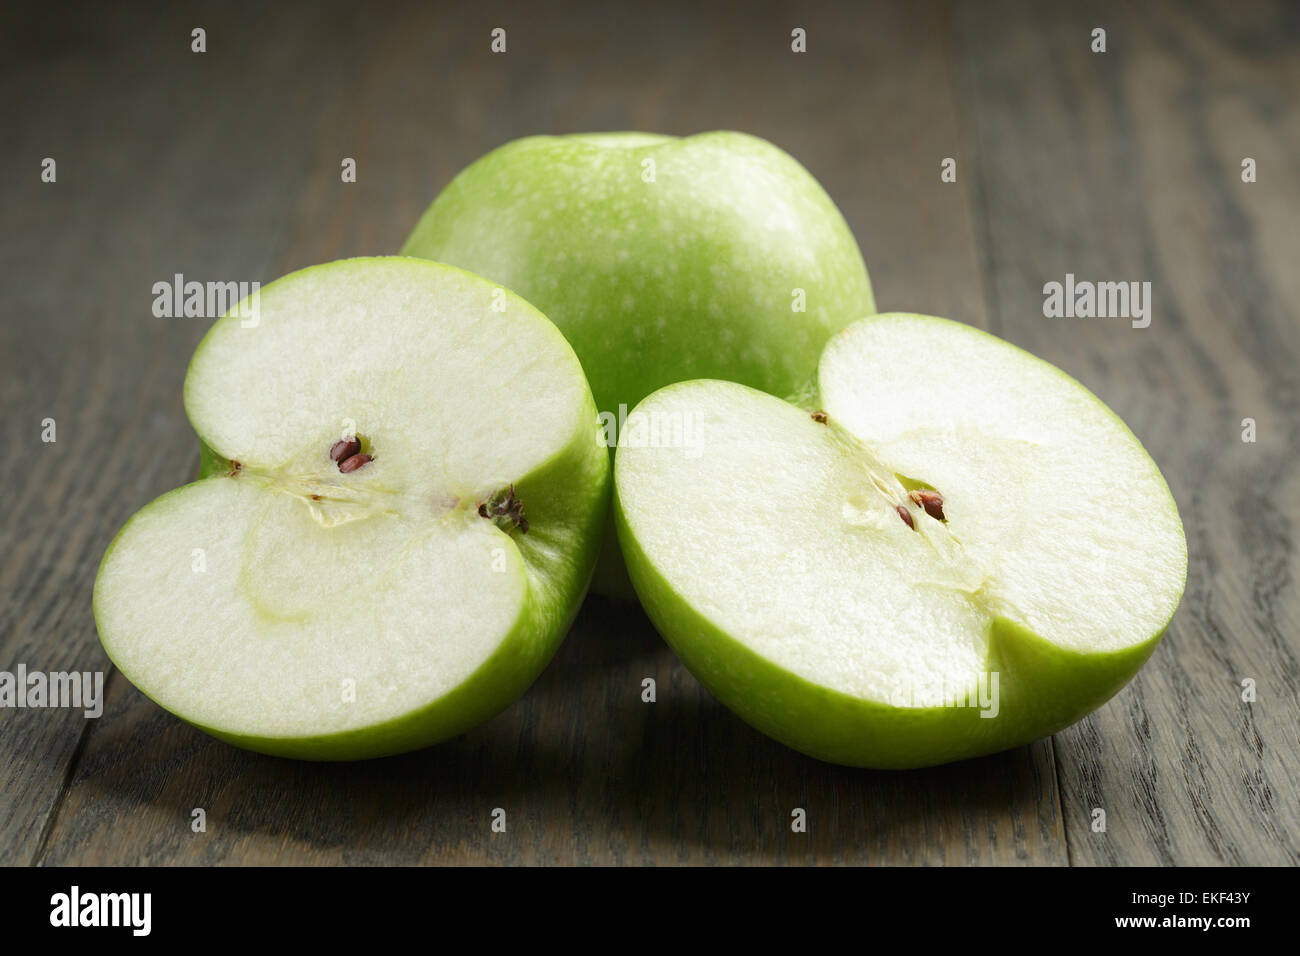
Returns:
(960,551)
(403,495)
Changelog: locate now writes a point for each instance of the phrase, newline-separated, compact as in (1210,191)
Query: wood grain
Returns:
(226,166)
(1128,167)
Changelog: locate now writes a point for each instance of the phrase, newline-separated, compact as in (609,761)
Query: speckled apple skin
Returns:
(660,259)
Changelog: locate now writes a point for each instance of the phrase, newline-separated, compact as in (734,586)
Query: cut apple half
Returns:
(959,551)
(398,514)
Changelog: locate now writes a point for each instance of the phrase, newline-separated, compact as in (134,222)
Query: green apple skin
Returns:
(689,276)
(1045,687)
(572,487)
(692,275)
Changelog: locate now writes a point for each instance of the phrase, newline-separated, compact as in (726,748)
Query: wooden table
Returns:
(225,165)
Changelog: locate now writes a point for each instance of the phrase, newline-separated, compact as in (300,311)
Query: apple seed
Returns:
(931,501)
(344,448)
(906,516)
(353,462)
(820,417)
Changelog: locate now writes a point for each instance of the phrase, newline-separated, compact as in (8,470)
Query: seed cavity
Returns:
(906,516)
(931,501)
(344,448)
(505,509)
(820,417)
(353,462)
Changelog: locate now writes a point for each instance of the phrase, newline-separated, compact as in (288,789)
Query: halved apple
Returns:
(961,550)
(401,507)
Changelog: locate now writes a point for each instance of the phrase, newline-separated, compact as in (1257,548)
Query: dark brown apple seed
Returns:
(906,516)
(931,501)
(353,462)
(344,448)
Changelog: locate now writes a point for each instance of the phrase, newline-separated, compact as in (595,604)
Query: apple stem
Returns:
(505,509)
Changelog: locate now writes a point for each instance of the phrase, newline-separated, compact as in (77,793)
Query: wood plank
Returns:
(585,770)
(154,178)
(1126,166)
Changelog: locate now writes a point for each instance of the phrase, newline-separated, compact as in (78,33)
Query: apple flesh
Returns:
(957,522)
(661,259)
(403,497)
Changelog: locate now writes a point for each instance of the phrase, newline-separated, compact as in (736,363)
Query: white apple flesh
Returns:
(771,552)
(308,607)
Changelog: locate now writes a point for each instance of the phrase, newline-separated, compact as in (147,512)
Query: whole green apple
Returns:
(959,551)
(403,494)
(660,259)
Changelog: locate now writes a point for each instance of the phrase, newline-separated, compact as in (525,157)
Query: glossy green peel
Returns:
(661,259)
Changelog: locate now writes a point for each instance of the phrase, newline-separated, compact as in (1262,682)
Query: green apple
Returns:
(404,493)
(660,259)
(959,551)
